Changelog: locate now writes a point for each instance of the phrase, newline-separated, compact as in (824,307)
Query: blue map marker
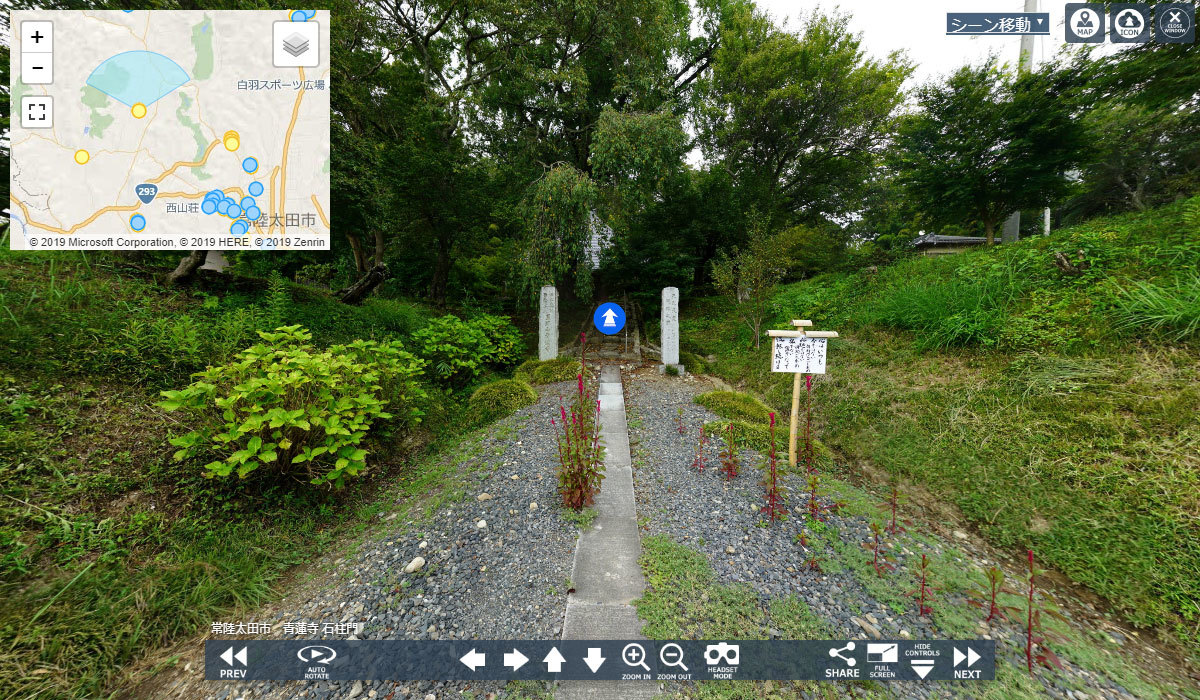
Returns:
(146,192)
(609,318)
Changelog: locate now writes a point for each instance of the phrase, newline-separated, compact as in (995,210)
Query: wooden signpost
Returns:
(800,352)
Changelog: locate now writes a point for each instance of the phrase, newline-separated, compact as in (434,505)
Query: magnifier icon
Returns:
(676,653)
(634,655)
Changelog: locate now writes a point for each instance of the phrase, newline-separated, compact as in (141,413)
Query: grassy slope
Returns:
(1021,404)
(107,547)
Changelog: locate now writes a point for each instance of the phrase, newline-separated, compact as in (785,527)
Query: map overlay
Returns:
(170,130)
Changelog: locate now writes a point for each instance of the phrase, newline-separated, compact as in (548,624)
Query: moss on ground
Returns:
(499,399)
(735,405)
(547,371)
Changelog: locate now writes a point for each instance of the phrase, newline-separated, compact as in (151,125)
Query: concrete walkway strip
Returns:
(607,576)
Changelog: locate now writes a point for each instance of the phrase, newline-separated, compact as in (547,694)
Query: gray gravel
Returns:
(507,580)
(721,519)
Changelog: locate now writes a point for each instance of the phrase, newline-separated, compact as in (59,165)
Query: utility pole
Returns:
(1012,226)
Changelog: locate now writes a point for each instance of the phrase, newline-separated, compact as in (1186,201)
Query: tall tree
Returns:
(986,142)
(798,119)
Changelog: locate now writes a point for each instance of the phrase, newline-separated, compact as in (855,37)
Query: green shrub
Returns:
(278,302)
(735,405)
(500,398)
(692,362)
(459,350)
(1170,310)
(537,372)
(284,405)
(504,337)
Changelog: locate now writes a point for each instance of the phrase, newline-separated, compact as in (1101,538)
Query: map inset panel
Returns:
(169,130)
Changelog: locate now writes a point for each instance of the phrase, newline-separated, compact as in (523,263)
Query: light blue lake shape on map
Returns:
(138,76)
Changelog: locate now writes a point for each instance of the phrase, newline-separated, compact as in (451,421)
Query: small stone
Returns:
(960,535)
(872,619)
(414,565)
(356,690)
(482,524)
(392,516)
(533,505)
(423,545)
(484,497)
(729,549)
(430,696)
(866,627)
(514,477)
(905,633)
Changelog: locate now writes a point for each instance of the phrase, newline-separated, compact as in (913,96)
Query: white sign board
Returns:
(804,355)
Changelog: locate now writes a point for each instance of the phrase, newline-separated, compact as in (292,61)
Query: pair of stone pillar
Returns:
(548,326)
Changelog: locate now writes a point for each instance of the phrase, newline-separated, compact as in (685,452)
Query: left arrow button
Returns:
(474,659)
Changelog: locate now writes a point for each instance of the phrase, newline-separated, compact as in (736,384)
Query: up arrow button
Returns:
(554,661)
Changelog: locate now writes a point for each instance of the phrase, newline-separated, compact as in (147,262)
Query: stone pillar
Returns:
(1012,228)
(670,327)
(548,324)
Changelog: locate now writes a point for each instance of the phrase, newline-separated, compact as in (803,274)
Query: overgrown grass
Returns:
(107,547)
(683,601)
(1051,430)
(1171,310)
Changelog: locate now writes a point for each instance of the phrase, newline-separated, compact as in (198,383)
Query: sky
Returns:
(919,28)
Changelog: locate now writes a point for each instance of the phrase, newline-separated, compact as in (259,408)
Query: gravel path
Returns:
(720,519)
(497,566)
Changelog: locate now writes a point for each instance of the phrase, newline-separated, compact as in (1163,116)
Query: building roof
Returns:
(932,239)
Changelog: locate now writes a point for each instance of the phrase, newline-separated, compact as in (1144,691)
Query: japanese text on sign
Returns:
(804,355)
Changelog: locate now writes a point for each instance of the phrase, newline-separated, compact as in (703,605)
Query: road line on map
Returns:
(321,212)
(181,164)
(287,143)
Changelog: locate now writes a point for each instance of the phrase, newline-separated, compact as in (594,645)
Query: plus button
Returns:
(37,36)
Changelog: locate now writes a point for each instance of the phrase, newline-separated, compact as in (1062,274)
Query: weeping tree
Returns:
(631,155)
(558,211)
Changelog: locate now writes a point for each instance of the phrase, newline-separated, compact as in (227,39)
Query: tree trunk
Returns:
(186,270)
(441,279)
(360,262)
(989,228)
(356,292)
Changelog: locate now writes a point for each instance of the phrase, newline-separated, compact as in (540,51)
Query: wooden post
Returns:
(794,427)
(793,431)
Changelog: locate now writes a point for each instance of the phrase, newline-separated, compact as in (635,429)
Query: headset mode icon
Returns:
(729,654)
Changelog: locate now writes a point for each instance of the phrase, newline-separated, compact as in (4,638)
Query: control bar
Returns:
(629,659)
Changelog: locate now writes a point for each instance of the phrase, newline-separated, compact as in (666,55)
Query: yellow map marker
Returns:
(82,156)
(231,140)
(138,111)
